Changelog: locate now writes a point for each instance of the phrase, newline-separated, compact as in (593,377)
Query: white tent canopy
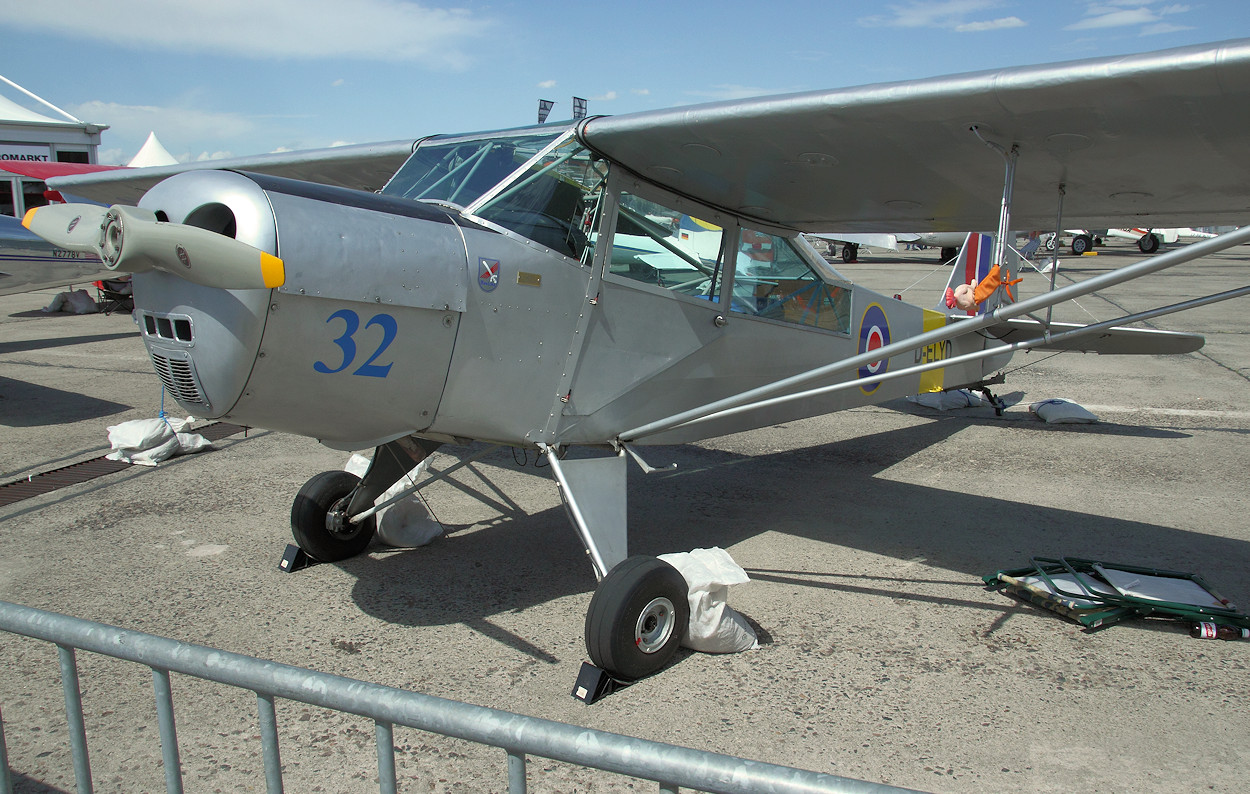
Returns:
(11,111)
(152,153)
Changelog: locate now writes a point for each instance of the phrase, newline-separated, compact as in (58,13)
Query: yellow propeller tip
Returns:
(272,270)
(29,217)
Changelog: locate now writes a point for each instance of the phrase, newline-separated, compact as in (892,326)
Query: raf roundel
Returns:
(874,333)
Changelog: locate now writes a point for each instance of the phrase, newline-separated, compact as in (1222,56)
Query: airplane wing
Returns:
(365,166)
(902,155)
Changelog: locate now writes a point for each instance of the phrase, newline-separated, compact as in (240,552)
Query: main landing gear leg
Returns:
(322,508)
(639,612)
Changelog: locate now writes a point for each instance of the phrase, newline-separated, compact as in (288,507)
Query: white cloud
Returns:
(1117,18)
(932,14)
(1163,27)
(338,83)
(608,97)
(1130,13)
(640,91)
(369,30)
(547,84)
(996,24)
(730,91)
(173,125)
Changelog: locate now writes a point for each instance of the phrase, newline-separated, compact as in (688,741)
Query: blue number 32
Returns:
(347,344)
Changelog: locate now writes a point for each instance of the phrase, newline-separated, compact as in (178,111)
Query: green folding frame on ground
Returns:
(1097,594)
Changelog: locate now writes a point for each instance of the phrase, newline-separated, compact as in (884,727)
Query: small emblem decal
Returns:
(488,274)
(183,257)
(73,224)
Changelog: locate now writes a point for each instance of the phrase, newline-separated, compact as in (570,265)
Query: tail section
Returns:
(976,277)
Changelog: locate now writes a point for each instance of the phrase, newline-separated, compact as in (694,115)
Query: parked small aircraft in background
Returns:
(28,262)
(947,243)
(1148,240)
(533,288)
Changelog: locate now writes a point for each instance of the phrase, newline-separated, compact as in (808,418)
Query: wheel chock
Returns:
(594,684)
(296,559)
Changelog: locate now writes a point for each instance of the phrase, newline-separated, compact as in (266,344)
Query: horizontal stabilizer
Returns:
(1109,341)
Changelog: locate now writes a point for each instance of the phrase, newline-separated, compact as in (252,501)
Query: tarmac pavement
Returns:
(865,533)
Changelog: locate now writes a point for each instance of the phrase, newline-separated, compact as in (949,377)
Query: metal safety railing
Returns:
(669,766)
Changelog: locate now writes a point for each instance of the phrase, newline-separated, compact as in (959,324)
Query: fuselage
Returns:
(510,287)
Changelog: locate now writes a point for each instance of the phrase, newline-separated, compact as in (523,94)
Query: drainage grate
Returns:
(53,480)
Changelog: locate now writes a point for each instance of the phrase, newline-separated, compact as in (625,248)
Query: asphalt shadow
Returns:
(27,404)
(24,346)
(828,493)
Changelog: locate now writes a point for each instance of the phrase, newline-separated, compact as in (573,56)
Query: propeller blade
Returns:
(74,227)
(134,241)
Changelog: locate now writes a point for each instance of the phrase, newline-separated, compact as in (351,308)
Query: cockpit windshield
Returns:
(459,170)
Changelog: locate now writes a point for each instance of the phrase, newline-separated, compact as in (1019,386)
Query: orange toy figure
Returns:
(990,283)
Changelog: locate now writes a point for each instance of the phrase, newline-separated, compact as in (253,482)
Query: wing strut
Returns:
(1010,156)
(1054,254)
(972,324)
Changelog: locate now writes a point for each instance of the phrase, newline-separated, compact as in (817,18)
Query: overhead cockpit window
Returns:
(554,201)
(460,170)
(772,280)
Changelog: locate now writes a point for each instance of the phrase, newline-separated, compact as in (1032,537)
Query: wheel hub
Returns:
(654,625)
(336,520)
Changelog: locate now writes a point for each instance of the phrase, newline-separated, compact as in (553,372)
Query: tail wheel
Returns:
(637,618)
(318,520)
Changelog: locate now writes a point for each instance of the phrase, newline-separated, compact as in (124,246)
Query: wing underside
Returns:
(903,156)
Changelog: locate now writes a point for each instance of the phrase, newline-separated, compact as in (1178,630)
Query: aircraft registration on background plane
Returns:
(532,287)
(27,262)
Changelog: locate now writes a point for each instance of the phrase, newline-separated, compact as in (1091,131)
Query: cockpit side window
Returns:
(774,281)
(655,244)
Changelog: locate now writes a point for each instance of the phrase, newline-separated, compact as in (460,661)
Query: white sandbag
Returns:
(1061,412)
(947,400)
(407,523)
(79,302)
(714,627)
(76,302)
(146,442)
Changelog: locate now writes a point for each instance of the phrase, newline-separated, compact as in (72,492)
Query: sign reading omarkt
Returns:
(14,151)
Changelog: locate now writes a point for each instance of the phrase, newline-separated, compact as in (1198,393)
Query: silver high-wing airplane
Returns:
(540,287)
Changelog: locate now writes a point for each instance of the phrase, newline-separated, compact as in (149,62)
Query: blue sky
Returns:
(236,77)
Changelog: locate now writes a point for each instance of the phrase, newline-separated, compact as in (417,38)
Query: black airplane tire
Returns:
(850,253)
(308,518)
(949,253)
(637,618)
(1148,243)
(1081,243)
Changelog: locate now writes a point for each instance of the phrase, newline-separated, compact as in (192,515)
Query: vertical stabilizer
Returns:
(974,267)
